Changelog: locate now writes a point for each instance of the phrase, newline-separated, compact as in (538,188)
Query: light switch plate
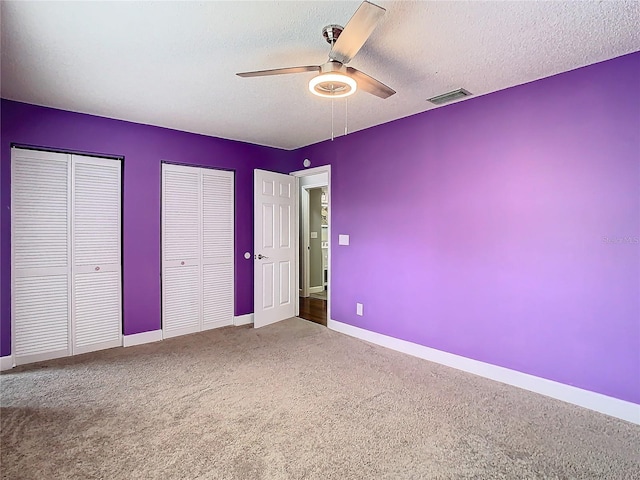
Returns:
(343,239)
(314,234)
(359,309)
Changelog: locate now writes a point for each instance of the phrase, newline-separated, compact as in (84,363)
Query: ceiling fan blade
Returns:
(280,71)
(356,32)
(370,84)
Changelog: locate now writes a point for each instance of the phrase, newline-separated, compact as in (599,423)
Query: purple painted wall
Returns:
(143,147)
(504,228)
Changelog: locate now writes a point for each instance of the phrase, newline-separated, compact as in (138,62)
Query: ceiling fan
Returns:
(336,79)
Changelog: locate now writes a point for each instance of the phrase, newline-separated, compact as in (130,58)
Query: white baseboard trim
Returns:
(6,363)
(243,319)
(317,289)
(584,398)
(140,338)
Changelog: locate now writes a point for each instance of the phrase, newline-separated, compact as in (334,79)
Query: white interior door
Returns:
(66,268)
(96,308)
(217,248)
(181,241)
(197,249)
(41,251)
(275,276)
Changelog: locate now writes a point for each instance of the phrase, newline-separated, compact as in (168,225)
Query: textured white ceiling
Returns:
(173,64)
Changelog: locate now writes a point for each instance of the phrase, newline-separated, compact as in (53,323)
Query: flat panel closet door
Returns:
(217,251)
(40,255)
(181,240)
(96,308)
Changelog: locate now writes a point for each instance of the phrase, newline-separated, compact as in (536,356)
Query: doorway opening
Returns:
(314,244)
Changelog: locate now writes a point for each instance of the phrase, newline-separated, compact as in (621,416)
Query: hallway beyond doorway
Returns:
(321,295)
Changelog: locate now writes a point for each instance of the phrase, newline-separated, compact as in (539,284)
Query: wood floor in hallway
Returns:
(314,310)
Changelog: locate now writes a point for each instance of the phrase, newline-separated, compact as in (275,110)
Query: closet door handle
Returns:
(260,256)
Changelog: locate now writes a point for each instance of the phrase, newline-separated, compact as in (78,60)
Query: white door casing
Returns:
(275,247)
(304,258)
(318,177)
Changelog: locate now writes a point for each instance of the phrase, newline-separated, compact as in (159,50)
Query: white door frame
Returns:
(303,231)
(305,228)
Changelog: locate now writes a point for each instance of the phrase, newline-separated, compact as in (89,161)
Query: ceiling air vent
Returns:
(449,97)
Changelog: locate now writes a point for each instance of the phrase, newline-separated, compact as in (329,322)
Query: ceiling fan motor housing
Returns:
(331,33)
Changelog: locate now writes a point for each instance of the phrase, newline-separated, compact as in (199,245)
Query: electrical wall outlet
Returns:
(359,309)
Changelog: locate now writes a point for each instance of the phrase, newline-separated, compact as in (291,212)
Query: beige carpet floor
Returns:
(291,401)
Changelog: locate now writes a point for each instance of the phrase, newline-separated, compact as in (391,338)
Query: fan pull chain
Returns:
(346,116)
(332,119)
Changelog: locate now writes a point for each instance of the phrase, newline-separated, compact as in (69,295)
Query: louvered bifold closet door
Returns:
(40,228)
(217,248)
(181,240)
(97,272)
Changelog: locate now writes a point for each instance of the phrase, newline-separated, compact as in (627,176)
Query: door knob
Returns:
(260,256)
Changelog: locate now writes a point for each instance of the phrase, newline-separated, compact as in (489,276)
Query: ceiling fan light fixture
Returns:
(333,85)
